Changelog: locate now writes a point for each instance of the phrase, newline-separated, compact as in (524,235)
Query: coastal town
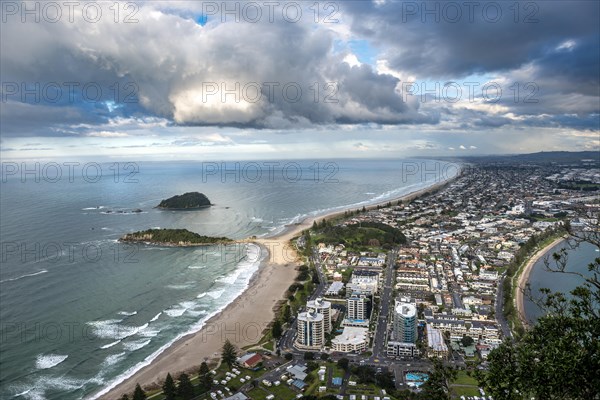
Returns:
(387,289)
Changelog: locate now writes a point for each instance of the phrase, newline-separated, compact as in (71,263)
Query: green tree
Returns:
(286,313)
(138,393)
(437,387)
(169,389)
(500,378)
(289,356)
(343,363)
(309,356)
(364,373)
(311,366)
(466,341)
(124,397)
(276,329)
(315,278)
(385,380)
(204,377)
(185,389)
(229,353)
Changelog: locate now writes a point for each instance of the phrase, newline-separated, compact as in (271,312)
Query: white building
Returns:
(405,321)
(334,288)
(435,342)
(364,281)
(401,349)
(351,340)
(357,307)
(324,308)
(311,331)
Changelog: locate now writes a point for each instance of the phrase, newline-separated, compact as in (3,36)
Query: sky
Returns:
(209,80)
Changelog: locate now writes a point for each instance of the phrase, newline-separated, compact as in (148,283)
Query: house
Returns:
(250,360)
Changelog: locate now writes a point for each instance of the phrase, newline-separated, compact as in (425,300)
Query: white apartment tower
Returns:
(324,308)
(356,307)
(405,322)
(311,331)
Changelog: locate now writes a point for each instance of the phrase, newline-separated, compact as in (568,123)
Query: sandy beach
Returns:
(524,278)
(243,320)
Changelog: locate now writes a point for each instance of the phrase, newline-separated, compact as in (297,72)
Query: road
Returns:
(499,306)
(385,302)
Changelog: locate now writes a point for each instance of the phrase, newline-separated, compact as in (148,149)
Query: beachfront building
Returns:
(405,321)
(352,340)
(311,331)
(324,308)
(250,360)
(436,347)
(357,307)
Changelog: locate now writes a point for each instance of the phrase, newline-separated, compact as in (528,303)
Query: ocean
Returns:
(577,261)
(80,311)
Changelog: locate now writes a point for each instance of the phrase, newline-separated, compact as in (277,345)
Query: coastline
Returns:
(523,279)
(243,320)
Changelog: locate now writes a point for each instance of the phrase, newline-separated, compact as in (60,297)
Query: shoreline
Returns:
(234,322)
(523,279)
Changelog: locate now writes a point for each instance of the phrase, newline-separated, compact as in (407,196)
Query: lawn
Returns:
(463,379)
(465,391)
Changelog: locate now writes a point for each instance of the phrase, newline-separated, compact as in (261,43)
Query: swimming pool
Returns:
(415,379)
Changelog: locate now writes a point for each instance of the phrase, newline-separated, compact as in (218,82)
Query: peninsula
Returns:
(186,201)
(172,238)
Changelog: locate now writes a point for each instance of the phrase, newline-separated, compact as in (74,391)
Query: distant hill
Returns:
(559,156)
(186,201)
(542,157)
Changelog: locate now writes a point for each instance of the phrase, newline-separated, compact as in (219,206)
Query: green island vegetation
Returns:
(186,201)
(359,236)
(177,237)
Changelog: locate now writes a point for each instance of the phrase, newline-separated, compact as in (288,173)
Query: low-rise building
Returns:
(352,339)
(401,349)
(436,346)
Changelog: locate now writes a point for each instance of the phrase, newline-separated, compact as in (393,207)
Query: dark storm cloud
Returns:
(432,45)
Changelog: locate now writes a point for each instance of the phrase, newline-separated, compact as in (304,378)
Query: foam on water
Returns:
(49,360)
(136,345)
(181,287)
(127,313)
(108,346)
(156,317)
(113,359)
(197,267)
(110,329)
(215,294)
(24,276)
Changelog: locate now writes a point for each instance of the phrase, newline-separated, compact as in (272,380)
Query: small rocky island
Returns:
(186,201)
(172,238)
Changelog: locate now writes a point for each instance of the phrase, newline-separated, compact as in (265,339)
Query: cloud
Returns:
(107,134)
(260,75)
(173,81)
